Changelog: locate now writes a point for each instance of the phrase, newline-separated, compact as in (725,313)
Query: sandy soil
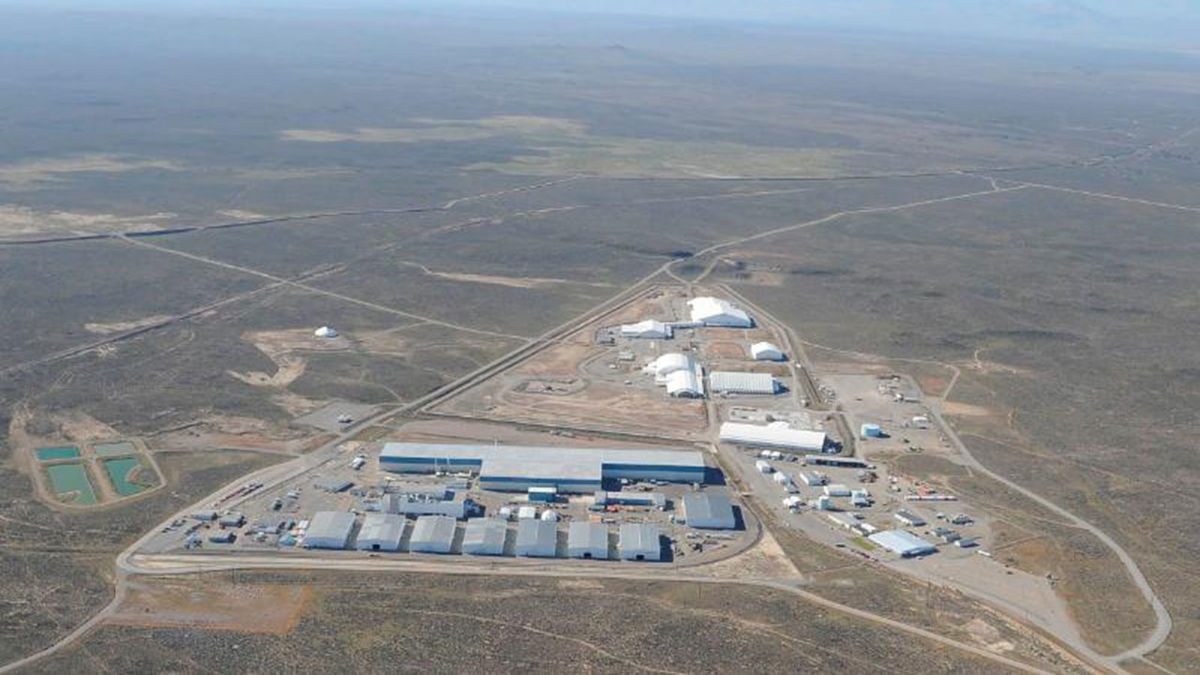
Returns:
(244,608)
(120,326)
(764,560)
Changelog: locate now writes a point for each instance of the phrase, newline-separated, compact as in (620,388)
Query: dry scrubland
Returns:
(418,207)
(455,624)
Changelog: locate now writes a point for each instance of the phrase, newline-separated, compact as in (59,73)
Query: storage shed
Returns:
(708,510)
(640,541)
(650,329)
(708,311)
(766,351)
(329,529)
(537,538)
(484,536)
(432,534)
(904,543)
(380,532)
(727,382)
(587,540)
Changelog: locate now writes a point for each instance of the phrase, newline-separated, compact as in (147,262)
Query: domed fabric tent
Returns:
(325,332)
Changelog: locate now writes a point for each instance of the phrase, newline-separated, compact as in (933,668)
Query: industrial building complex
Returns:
(774,435)
(518,468)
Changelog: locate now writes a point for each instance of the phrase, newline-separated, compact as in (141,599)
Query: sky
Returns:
(1172,25)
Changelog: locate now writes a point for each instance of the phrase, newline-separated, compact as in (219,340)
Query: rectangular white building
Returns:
(380,532)
(432,534)
(706,510)
(329,529)
(708,311)
(906,544)
(766,351)
(484,536)
(649,329)
(640,541)
(587,540)
(773,435)
(727,382)
(537,539)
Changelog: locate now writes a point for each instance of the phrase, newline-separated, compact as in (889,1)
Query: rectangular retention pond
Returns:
(61,452)
(124,472)
(70,482)
(114,449)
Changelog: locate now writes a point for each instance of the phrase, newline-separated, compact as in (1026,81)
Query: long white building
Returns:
(516,468)
(380,532)
(718,312)
(650,329)
(329,529)
(773,435)
(726,382)
(587,540)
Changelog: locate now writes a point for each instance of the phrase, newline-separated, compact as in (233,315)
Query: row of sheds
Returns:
(535,538)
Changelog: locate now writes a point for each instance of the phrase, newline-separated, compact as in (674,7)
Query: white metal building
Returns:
(904,543)
(765,351)
(329,529)
(773,435)
(587,540)
(640,541)
(669,363)
(718,312)
(685,384)
(484,536)
(380,532)
(707,510)
(537,539)
(432,534)
(516,468)
(650,329)
(726,382)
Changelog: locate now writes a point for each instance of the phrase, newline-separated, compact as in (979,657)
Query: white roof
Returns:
(766,351)
(640,539)
(527,512)
(902,542)
(669,363)
(537,538)
(329,529)
(484,536)
(381,528)
(587,537)
(325,332)
(432,533)
(776,434)
(647,328)
(742,383)
(718,312)
(684,381)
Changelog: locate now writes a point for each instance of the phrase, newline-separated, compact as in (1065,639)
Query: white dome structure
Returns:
(325,332)
(669,363)
(707,311)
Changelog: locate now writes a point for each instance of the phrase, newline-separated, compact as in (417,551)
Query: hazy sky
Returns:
(1167,24)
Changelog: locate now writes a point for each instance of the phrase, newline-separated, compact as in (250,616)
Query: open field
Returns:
(451,624)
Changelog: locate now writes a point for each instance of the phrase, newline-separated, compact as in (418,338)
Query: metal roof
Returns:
(583,536)
(766,350)
(485,536)
(528,456)
(386,528)
(433,533)
(717,311)
(777,435)
(640,539)
(902,542)
(742,383)
(329,528)
(538,538)
(708,509)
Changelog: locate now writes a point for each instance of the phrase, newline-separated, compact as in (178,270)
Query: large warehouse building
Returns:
(906,544)
(329,529)
(587,540)
(516,468)
(381,532)
(707,510)
(648,329)
(725,382)
(718,312)
(774,435)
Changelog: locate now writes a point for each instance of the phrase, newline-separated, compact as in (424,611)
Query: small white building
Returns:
(685,384)
(484,536)
(432,534)
(906,544)
(587,540)
(669,363)
(325,332)
(640,541)
(837,490)
(537,539)
(766,351)
(329,529)
(381,532)
(709,311)
(526,512)
(649,329)
(726,382)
